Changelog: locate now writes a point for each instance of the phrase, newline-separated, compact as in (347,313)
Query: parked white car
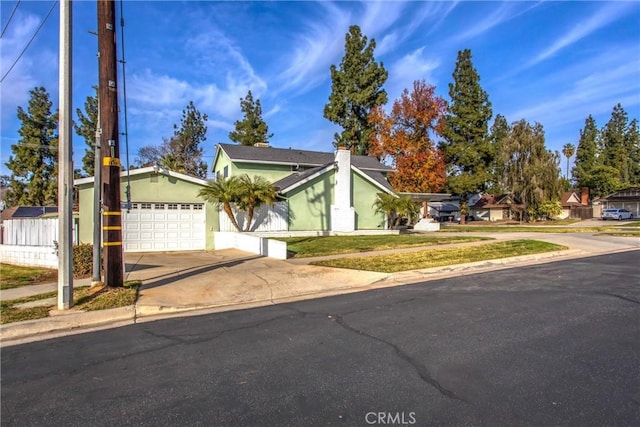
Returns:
(618,214)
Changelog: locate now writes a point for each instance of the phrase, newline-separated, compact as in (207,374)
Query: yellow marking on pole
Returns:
(112,227)
(111,243)
(112,213)
(111,161)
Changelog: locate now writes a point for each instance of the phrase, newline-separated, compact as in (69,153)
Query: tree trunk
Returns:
(227,208)
(247,226)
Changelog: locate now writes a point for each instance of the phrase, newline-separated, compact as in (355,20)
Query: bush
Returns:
(82,260)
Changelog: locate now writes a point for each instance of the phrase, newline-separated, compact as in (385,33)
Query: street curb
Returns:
(65,322)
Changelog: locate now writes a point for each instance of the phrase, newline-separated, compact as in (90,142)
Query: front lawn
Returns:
(334,245)
(438,257)
(13,276)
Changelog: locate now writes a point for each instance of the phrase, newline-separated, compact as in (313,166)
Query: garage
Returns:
(165,213)
(152,227)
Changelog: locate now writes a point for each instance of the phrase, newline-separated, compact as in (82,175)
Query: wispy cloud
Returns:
(505,12)
(604,16)
(411,67)
(314,50)
(420,14)
(595,93)
(22,77)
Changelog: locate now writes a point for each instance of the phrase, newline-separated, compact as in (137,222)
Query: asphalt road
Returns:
(545,345)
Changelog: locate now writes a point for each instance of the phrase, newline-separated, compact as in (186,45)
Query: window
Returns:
(185,206)
(134,206)
(197,206)
(145,205)
(226,171)
(172,206)
(159,206)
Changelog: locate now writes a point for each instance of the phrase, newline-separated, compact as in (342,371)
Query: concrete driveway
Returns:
(181,281)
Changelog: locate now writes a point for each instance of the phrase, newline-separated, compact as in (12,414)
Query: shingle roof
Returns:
(296,177)
(290,156)
(379,178)
(488,201)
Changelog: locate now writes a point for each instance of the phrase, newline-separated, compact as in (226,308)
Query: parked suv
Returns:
(618,214)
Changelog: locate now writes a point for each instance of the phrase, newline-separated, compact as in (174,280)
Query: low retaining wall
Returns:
(29,256)
(250,243)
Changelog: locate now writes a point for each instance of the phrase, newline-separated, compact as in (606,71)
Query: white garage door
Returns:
(150,227)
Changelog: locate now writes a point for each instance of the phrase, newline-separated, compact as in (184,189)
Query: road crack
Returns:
(422,371)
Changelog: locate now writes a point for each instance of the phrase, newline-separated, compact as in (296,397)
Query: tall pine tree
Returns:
(632,142)
(499,131)
(34,163)
(252,129)
(466,146)
(586,153)
(356,88)
(182,152)
(614,150)
(87,129)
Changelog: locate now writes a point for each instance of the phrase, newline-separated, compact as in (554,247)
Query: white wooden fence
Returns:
(33,231)
(267,218)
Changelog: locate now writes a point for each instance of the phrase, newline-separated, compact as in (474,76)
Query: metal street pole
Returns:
(65,164)
(97,207)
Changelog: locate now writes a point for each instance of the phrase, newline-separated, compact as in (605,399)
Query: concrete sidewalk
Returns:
(204,282)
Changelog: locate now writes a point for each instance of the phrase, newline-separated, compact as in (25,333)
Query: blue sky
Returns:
(550,62)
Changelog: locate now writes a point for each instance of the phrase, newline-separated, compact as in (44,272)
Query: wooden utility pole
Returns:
(109,146)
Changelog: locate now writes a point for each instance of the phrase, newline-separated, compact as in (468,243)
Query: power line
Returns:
(7,24)
(27,45)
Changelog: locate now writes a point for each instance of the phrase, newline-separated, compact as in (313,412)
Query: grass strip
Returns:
(441,257)
(13,276)
(84,298)
(521,228)
(304,247)
(631,233)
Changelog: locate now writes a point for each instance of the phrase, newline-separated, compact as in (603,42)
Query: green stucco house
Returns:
(165,213)
(321,192)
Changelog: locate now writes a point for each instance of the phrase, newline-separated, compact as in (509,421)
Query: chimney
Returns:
(342,213)
(584,199)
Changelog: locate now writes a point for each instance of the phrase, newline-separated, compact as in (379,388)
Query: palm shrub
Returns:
(252,194)
(223,191)
(407,208)
(387,204)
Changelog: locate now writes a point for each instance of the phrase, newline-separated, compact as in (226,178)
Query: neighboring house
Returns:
(165,213)
(493,208)
(321,191)
(32,226)
(627,198)
(570,201)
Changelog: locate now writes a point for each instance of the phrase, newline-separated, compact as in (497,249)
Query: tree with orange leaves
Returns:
(405,137)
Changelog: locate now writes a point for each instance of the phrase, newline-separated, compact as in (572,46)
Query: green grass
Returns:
(304,247)
(631,233)
(9,313)
(13,276)
(442,257)
(84,298)
(520,229)
(631,224)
